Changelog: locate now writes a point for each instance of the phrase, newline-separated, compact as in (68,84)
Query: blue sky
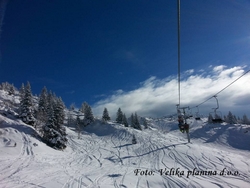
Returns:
(104,51)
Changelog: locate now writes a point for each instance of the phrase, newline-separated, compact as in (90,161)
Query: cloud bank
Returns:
(158,97)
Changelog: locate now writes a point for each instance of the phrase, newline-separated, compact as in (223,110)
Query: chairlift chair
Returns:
(197,114)
(190,114)
(182,119)
(197,117)
(216,115)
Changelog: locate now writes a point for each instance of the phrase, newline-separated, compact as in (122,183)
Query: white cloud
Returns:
(158,97)
(219,68)
(190,71)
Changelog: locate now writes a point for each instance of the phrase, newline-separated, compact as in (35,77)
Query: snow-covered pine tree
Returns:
(71,120)
(238,119)
(26,109)
(136,122)
(1,86)
(43,100)
(50,124)
(54,132)
(22,91)
(105,115)
(11,90)
(230,118)
(235,118)
(124,120)
(72,107)
(132,121)
(119,116)
(59,115)
(245,120)
(41,112)
(88,115)
(50,99)
(78,122)
(42,105)
(84,107)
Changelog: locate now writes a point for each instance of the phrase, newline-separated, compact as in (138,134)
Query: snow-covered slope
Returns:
(104,156)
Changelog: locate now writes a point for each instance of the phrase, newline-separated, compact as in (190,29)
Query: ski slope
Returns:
(104,156)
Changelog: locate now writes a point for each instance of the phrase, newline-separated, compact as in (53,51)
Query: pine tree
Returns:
(84,107)
(137,123)
(26,108)
(88,115)
(132,121)
(235,119)
(50,98)
(59,115)
(238,119)
(105,116)
(70,118)
(50,124)
(11,90)
(54,132)
(119,116)
(42,105)
(230,118)
(43,101)
(72,107)
(124,120)
(245,120)
(22,91)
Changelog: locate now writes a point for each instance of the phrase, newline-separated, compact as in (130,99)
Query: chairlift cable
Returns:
(179,50)
(223,88)
(232,83)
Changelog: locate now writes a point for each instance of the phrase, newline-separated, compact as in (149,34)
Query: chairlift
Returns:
(216,115)
(189,114)
(197,114)
(182,119)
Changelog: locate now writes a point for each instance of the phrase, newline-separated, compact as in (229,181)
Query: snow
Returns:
(104,156)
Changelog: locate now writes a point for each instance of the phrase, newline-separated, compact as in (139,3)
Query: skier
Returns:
(181,123)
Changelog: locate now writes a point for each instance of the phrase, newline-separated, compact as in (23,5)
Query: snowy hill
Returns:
(104,156)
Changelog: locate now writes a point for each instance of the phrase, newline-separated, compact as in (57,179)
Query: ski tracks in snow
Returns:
(14,171)
(111,160)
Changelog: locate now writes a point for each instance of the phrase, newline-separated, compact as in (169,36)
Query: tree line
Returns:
(231,118)
(122,119)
